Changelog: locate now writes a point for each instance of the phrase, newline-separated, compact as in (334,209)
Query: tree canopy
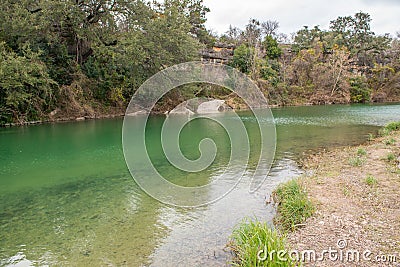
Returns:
(81,56)
(65,52)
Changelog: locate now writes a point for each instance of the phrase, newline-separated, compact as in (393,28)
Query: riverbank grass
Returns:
(256,244)
(294,207)
(389,128)
(371,180)
(250,237)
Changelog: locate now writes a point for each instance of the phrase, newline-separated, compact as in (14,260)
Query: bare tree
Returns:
(233,33)
(270,27)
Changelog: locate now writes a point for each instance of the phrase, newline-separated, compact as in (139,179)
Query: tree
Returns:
(360,92)
(306,38)
(232,36)
(271,47)
(195,13)
(103,49)
(242,58)
(270,27)
(26,90)
(354,32)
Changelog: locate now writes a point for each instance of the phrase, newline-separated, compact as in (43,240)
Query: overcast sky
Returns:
(294,14)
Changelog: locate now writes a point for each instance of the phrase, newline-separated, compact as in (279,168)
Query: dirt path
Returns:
(356,192)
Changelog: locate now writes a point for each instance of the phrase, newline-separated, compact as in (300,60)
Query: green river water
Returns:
(67,198)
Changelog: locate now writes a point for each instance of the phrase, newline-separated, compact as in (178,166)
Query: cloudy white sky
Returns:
(294,14)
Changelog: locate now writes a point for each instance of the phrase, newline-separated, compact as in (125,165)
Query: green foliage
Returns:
(271,47)
(391,157)
(371,180)
(371,137)
(346,191)
(306,38)
(393,126)
(356,162)
(269,71)
(250,238)
(26,89)
(294,207)
(106,48)
(242,58)
(390,142)
(359,90)
(354,32)
(361,152)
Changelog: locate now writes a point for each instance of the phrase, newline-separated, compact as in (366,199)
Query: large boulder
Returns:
(182,109)
(213,106)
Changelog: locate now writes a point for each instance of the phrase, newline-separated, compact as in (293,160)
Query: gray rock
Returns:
(182,109)
(137,113)
(214,106)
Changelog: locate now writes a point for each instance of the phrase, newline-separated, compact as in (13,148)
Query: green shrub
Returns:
(390,142)
(391,157)
(271,47)
(371,180)
(361,152)
(356,161)
(359,90)
(391,127)
(371,137)
(294,207)
(26,89)
(251,239)
(242,58)
(269,71)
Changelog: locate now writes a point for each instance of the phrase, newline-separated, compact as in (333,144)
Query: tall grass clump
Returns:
(256,244)
(371,180)
(294,207)
(390,142)
(391,157)
(391,127)
(361,152)
(356,161)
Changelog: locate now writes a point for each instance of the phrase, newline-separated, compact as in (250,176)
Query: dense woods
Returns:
(75,58)
(80,57)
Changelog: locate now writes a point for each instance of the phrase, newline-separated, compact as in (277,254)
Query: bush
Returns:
(391,157)
(359,90)
(361,152)
(356,161)
(294,207)
(391,127)
(251,239)
(26,89)
(371,180)
(271,47)
(242,58)
(269,71)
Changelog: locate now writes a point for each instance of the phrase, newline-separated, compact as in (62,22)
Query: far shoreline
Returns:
(119,114)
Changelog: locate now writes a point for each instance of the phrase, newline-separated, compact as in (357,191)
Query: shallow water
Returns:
(67,198)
